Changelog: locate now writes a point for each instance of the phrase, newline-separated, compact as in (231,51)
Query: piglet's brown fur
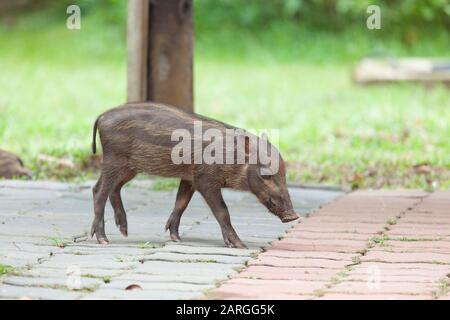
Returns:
(137,138)
(11,166)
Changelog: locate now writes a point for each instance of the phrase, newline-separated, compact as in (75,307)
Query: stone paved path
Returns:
(43,236)
(366,245)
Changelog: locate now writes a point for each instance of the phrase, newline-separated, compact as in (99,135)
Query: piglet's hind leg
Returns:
(100,192)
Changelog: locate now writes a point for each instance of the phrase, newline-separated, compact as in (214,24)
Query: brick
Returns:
(298,263)
(408,257)
(349,296)
(328,245)
(405,287)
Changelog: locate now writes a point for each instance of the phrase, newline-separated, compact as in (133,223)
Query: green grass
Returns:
(161,184)
(57,242)
(391,221)
(54,83)
(5,269)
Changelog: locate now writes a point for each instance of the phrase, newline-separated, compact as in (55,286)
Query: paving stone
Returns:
(223,294)
(207,258)
(372,296)
(308,255)
(415,246)
(18,292)
(101,261)
(40,185)
(182,248)
(35,216)
(158,286)
(206,239)
(110,294)
(243,230)
(305,288)
(89,273)
(18,196)
(342,264)
(402,267)
(269,272)
(191,268)
(133,277)
(298,263)
(362,229)
(428,278)
(408,257)
(384,288)
(108,250)
(60,282)
(328,245)
(327,235)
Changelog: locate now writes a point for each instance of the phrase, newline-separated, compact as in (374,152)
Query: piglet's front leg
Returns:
(184,195)
(214,199)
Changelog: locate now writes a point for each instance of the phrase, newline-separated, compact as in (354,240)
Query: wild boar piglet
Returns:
(205,154)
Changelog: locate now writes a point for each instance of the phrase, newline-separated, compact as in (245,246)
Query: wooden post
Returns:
(167,44)
(137,43)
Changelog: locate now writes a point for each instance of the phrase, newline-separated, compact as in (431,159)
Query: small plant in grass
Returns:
(197,261)
(407,239)
(391,221)
(238,269)
(362,251)
(119,259)
(106,279)
(335,281)
(148,245)
(443,289)
(342,274)
(165,184)
(381,240)
(5,269)
(319,293)
(356,260)
(57,242)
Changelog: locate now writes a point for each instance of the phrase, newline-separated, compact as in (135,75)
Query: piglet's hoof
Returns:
(172,226)
(124,231)
(100,235)
(175,237)
(102,240)
(236,244)
(233,241)
(121,223)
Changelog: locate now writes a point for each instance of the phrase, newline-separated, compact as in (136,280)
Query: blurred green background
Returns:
(258,64)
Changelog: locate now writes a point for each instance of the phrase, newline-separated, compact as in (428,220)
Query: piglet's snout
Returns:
(289,216)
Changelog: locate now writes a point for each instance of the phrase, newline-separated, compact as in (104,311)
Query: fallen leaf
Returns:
(59,162)
(92,162)
(133,287)
(422,168)
(356,180)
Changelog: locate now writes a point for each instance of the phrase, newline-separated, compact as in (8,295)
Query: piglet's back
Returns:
(140,135)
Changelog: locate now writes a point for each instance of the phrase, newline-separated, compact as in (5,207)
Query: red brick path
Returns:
(365,245)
